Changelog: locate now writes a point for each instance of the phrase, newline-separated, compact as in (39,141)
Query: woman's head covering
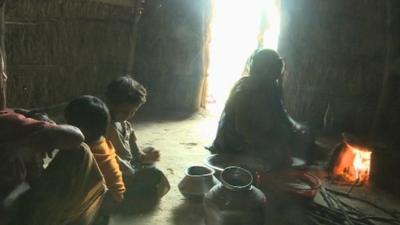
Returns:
(266,62)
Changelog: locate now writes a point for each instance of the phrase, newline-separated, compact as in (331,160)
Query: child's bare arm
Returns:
(148,155)
(137,154)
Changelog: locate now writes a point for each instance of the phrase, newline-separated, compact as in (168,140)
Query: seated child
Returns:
(124,96)
(91,116)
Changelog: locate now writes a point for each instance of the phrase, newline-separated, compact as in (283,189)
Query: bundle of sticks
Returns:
(338,212)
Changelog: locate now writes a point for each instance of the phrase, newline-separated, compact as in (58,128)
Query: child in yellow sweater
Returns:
(91,116)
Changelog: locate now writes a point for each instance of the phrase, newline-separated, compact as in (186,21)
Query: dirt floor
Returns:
(181,140)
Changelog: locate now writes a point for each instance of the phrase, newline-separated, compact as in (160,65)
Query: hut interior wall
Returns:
(337,52)
(171,48)
(60,49)
(389,122)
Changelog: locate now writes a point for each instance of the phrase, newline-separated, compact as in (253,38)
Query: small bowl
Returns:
(197,182)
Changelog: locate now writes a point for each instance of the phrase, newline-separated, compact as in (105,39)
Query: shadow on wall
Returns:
(330,62)
(170,53)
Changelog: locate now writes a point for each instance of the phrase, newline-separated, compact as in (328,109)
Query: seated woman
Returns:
(71,188)
(254,121)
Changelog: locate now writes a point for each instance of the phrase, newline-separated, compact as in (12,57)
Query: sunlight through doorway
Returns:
(238,28)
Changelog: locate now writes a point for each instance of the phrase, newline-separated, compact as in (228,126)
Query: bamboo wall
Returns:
(57,50)
(60,49)
(337,54)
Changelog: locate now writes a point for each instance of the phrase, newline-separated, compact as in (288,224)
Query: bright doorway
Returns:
(237,29)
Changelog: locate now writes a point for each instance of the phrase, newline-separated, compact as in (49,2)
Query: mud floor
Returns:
(181,141)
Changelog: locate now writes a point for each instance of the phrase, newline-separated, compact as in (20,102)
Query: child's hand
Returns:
(150,155)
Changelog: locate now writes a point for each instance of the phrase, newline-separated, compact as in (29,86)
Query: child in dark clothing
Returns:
(91,116)
(124,97)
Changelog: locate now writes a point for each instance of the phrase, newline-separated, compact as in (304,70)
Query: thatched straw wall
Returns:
(337,52)
(60,49)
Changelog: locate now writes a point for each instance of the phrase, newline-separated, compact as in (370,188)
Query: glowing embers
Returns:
(353,165)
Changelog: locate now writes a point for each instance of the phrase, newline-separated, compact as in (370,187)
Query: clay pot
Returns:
(197,182)
(234,201)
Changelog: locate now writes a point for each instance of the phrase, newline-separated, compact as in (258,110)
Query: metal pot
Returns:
(197,182)
(235,201)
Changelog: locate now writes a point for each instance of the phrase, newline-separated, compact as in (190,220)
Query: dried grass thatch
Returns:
(59,49)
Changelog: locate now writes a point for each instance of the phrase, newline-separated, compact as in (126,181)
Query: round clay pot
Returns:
(234,201)
(197,182)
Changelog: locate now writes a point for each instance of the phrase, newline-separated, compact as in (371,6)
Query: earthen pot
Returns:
(197,182)
(234,201)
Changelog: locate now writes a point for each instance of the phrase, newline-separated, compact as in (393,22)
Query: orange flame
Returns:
(353,165)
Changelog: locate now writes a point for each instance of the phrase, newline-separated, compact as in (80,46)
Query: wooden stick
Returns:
(33,21)
(364,201)
(382,219)
(133,37)
(346,215)
(3,57)
(325,197)
(337,214)
(324,219)
(353,185)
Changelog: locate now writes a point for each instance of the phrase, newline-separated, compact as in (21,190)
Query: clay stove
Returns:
(351,162)
(358,161)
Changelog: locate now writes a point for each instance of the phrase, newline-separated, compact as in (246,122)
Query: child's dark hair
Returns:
(125,90)
(90,114)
